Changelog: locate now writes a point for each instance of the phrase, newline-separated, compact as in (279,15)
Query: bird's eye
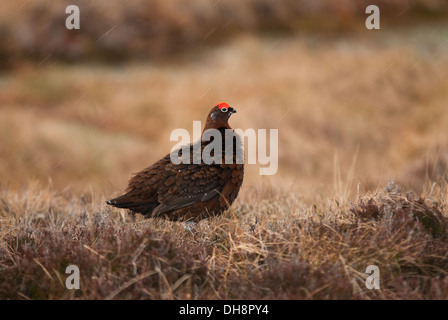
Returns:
(224,109)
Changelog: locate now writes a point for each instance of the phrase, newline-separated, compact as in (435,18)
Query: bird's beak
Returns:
(231,110)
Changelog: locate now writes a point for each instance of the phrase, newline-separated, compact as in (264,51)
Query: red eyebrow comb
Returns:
(223,105)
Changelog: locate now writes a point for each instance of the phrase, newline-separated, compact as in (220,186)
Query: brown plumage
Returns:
(188,191)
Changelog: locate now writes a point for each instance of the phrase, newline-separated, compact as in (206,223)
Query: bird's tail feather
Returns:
(121,202)
(126,202)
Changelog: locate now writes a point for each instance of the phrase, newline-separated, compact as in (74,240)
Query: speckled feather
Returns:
(186,191)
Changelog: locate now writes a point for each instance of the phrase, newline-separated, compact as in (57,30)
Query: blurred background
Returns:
(83,109)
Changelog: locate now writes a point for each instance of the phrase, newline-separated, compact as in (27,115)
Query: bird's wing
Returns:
(143,186)
(190,183)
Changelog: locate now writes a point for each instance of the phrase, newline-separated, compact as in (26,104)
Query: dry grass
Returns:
(274,246)
(350,110)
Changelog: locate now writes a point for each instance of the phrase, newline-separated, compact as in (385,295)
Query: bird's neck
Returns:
(218,125)
(222,130)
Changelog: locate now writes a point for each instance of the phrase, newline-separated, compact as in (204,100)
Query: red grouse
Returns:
(192,189)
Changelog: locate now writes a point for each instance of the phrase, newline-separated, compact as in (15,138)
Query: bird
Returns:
(190,190)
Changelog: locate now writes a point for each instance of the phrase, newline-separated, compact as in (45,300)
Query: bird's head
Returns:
(218,117)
